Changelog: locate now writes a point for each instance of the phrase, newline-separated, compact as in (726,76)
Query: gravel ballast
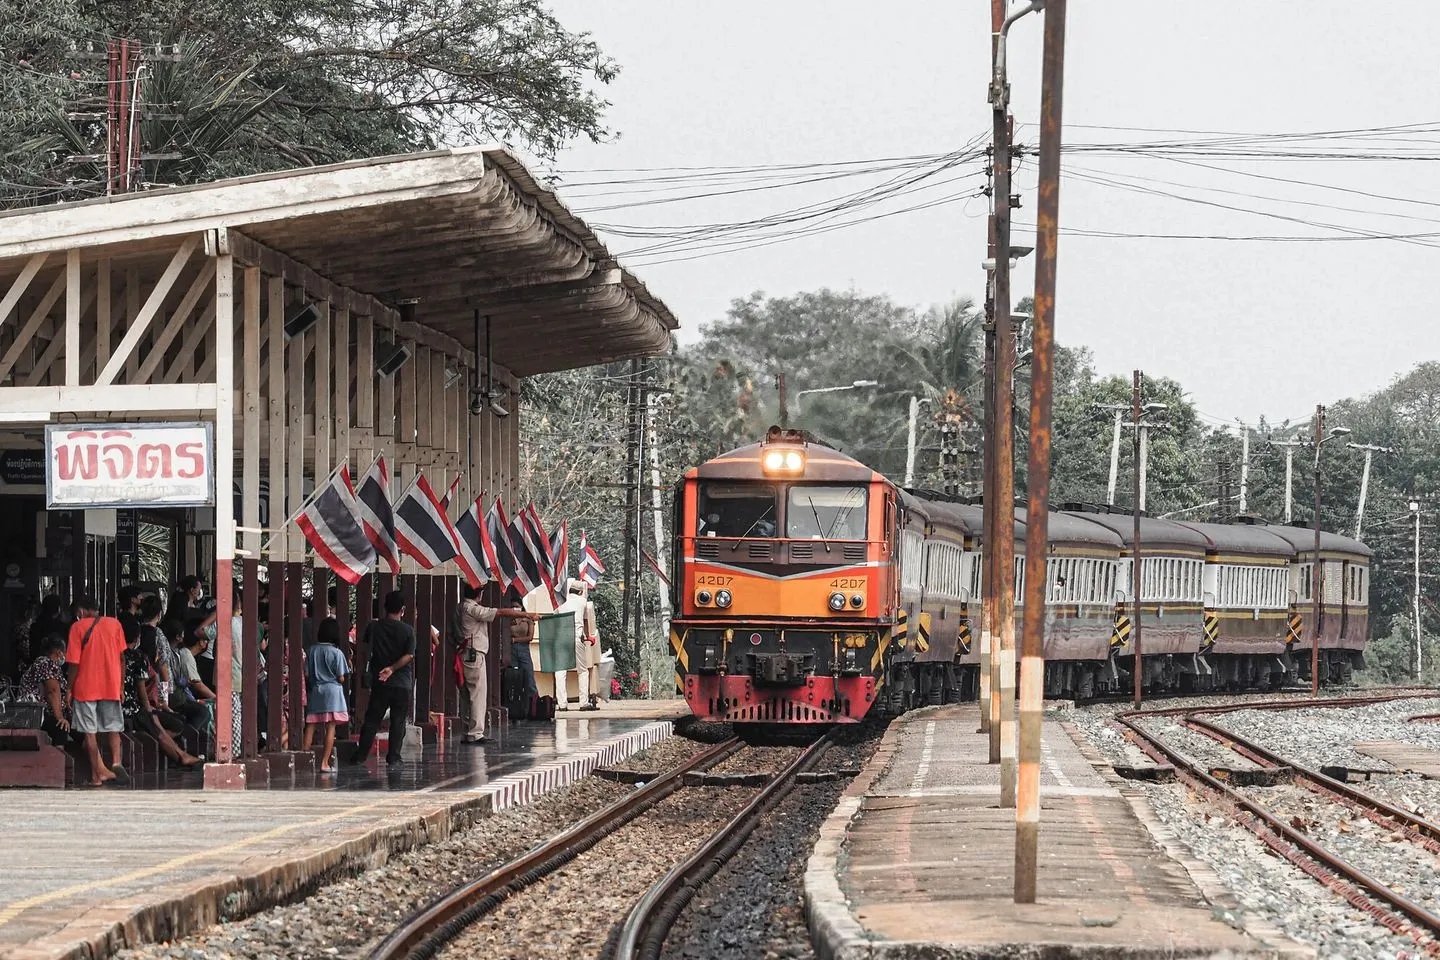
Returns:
(1263,882)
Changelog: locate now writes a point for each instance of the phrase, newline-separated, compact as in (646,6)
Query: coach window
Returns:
(736,510)
(825,513)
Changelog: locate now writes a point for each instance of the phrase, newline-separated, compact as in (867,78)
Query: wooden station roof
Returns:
(454,231)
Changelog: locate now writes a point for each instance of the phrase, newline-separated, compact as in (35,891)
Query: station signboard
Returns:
(129,465)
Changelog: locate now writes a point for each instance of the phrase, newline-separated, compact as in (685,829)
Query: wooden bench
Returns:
(29,759)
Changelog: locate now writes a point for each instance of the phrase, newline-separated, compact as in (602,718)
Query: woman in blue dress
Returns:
(325,671)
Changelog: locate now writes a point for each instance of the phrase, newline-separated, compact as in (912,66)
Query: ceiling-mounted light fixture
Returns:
(300,319)
(392,359)
(486,396)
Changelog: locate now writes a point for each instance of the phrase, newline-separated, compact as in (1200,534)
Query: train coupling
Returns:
(782,669)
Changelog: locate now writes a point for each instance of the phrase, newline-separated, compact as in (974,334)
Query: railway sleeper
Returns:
(698,779)
(1254,776)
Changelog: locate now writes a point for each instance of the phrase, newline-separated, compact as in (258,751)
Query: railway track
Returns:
(642,935)
(1368,893)
(433,927)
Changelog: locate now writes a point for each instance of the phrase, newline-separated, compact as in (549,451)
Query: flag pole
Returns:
(319,487)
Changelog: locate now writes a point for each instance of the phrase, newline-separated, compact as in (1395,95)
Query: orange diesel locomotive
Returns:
(787,524)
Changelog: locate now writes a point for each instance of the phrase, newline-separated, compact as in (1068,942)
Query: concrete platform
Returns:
(87,872)
(917,861)
(671,709)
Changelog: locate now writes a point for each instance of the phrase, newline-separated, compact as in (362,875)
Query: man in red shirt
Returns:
(94,665)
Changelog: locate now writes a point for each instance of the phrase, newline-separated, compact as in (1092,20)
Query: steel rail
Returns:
(428,929)
(1366,893)
(1427,831)
(642,936)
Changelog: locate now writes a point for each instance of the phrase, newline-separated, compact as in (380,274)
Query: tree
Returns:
(274,84)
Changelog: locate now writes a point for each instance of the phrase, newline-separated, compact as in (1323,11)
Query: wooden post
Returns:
(250,512)
(224,773)
(278,510)
(295,544)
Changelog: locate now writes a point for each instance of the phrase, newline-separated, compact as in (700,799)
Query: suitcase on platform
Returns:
(516,698)
(542,708)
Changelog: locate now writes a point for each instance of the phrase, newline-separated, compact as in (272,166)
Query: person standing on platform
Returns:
(575,606)
(325,672)
(472,630)
(94,667)
(392,651)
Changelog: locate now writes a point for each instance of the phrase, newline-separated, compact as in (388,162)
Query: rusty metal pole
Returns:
(1004,551)
(989,662)
(1037,526)
(1135,561)
(989,694)
(1317,579)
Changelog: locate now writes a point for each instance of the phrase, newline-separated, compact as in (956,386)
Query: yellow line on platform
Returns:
(12,910)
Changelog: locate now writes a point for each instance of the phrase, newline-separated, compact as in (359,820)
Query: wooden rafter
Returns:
(141,323)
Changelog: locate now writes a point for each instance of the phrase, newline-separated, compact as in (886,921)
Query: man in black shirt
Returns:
(392,650)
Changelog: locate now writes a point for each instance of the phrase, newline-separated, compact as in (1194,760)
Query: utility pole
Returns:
(784,413)
(631,595)
(1415,600)
(1289,446)
(1244,466)
(1032,662)
(1114,454)
(989,593)
(1003,548)
(910,442)
(1222,478)
(1370,450)
(657,515)
(1137,507)
(1317,579)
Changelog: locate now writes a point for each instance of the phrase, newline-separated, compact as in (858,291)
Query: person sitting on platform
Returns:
(93,662)
(392,651)
(139,708)
(44,682)
(325,707)
(190,646)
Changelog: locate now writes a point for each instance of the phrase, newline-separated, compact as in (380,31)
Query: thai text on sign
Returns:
(129,465)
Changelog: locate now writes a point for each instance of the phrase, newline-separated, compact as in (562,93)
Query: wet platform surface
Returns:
(919,861)
(87,869)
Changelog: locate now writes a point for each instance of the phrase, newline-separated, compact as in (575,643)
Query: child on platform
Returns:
(325,706)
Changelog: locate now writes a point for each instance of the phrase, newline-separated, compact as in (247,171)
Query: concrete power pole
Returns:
(1415,599)
(1244,467)
(1369,449)
(1289,446)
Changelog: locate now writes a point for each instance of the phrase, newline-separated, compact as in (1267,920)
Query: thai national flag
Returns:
(450,494)
(527,561)
(472,557)
(422,530)
(499,553)
(332,525)
(539,546)
(560,553)
(376,516)
(590,566)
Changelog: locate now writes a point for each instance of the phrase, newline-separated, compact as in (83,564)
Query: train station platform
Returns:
(917,860)
(87,872)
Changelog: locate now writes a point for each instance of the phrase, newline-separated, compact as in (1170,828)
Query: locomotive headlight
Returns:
(703,598)
(857,601)
(790,462)
(837,601)
(723,598)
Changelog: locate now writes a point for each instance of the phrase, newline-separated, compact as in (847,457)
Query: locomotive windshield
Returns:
(735,510)
(825,513)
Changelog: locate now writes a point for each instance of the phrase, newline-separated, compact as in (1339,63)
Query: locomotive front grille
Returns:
(853,552)
(707,549)
(778,710)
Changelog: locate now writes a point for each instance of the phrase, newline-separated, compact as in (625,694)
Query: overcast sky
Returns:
(1251,328)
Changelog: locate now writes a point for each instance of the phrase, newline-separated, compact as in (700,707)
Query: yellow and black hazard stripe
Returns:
(922,633)
(900,633)
(1211,626)
(677,647)
(964,639)
(1294,632)
(1120,636)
